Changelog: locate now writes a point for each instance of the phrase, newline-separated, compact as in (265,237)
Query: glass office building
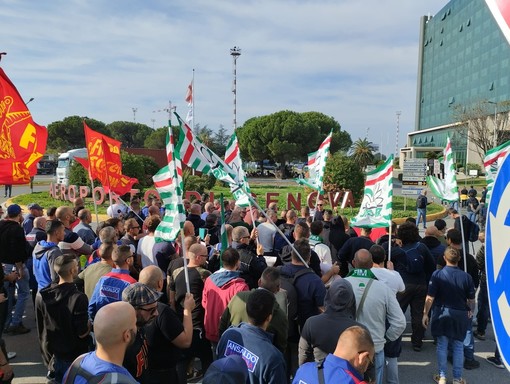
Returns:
(464,60)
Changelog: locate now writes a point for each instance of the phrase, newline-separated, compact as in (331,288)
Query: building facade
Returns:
(464,61)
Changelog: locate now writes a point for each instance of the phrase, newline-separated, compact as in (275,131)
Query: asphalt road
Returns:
(414,367)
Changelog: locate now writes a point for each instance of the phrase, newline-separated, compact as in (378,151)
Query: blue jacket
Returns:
(265,362)
(336,370)
(109,289)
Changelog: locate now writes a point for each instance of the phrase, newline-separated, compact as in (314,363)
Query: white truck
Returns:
(65,161)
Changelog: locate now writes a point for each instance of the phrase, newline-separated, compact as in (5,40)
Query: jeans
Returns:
(8,190)
(482,317)
(379,366)
(392,370)
(61,366)
(422,213)
(442,353)
(469,342)
(23,295)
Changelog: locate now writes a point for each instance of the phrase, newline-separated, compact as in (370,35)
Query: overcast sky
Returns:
(353,60)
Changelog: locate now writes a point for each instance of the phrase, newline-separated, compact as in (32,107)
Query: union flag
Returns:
(104,162)
(22,141)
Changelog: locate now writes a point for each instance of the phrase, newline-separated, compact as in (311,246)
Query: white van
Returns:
(64,163)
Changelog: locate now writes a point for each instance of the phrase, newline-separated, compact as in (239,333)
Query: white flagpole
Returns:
(463,239)
(186,274)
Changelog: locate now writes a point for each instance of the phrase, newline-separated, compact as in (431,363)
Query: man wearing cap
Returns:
(13,254)
(35,211)
(145,302)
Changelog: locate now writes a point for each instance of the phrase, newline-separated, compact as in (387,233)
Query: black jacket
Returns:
(13,245)
(64,312)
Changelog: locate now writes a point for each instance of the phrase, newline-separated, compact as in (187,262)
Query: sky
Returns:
(353,60)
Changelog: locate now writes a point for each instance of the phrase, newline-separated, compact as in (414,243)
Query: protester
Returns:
(353,355)
(72,243)
(83,228)
(35,211)
(350,247)
(421,209)
(451,296)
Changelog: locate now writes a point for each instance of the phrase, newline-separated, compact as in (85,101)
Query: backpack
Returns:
(279,241)
(421,202)
(474,231)
(289,285)
(102,378)
(414,259)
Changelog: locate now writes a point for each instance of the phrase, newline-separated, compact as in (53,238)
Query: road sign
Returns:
(498,259)
(410,191)
(414,172)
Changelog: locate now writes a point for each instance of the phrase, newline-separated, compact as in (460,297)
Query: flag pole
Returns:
(186,274)
(94,201)
(316,202)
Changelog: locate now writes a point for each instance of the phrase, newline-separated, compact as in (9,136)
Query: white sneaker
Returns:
(11,355)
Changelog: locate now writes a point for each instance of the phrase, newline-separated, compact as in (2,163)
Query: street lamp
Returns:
(29,101)
(495,138)
(235,53)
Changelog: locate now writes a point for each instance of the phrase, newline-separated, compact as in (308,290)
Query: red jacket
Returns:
(219,288)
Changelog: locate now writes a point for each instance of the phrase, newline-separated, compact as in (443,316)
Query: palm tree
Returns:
(362,151)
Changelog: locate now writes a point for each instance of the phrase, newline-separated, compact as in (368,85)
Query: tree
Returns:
(69,134)
(340,140)
(286,135)
(343,172)
(220,141)
(141,167)
(477,123)
(157,139)
(130,134)
(362,151)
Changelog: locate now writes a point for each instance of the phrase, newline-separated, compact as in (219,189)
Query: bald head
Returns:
(109,327)
(352,340)
(151,276)
(188,228)
(40,222)
(363,259)
(195,209)
(64,214)
(196,250)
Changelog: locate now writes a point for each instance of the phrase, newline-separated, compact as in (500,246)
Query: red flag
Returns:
(105,163)
(22,141)
(189,94)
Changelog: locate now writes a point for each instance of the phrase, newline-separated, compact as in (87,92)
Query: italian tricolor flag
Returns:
(446,189)
(491,162)
(233,160)
(377,206)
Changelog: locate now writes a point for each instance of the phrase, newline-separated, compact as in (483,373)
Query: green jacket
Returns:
(235,313)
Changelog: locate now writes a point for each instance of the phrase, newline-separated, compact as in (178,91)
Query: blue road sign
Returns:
(497,262)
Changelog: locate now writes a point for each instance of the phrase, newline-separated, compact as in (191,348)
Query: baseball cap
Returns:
(35,206)
(230,370)
(13,209)
(139,294)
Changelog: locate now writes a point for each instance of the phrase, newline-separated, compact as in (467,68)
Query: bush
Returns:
(78,175)
(199,183)
(343,172)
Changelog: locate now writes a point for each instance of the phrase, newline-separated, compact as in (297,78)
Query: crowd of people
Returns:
(295,297)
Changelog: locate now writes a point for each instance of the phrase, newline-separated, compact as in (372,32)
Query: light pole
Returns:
(235,53)
(495,138)
(134,114)
(153,121)
(29,101)
(398,113)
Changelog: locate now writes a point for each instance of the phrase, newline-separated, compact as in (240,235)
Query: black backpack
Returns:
(421,202)
(289,285)
(103,378)
(414,259)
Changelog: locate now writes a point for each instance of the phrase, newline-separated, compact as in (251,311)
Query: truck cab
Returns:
(65,161)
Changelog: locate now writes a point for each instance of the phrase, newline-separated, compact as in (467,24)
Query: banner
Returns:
(491,162)
(22,141)
(104,162)
(377,206)
(446,189)
(317,166)
(233,160)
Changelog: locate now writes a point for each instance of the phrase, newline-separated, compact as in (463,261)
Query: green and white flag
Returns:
(168,182)
(377,206)
(446,189)
(491,162)
(233,160)
(317,166)
(192,152)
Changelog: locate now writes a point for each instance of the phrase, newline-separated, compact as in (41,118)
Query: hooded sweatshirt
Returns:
(219,288)
(14,247)
(320,333)
(45,253)
(65,317)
